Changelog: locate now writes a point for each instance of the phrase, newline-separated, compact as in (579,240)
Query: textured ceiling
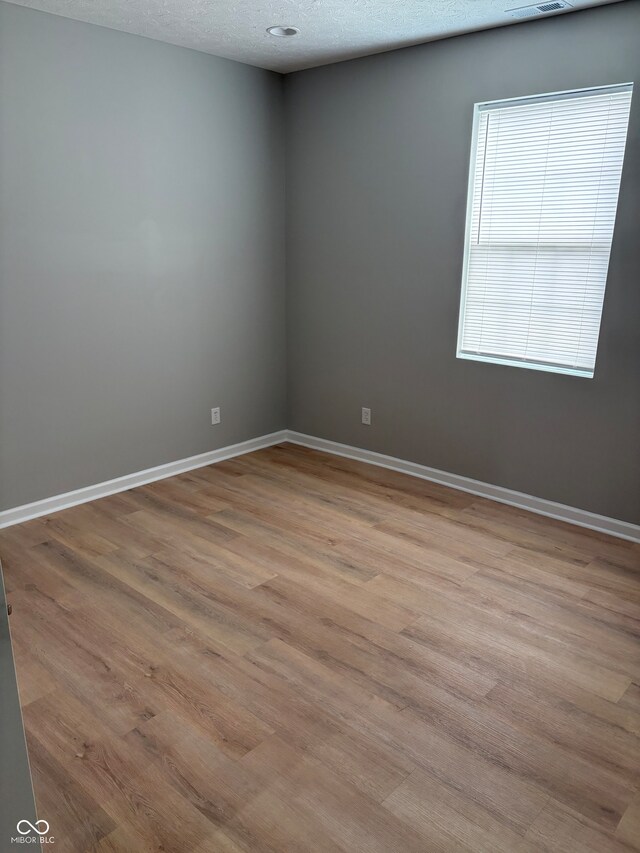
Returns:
(330,30)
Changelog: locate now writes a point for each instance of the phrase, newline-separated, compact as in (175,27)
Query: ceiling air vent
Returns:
(540,9)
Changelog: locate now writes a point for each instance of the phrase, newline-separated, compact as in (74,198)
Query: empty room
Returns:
(319,426)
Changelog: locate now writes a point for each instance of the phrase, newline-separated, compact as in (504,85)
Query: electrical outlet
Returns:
(366,416)
(215,415)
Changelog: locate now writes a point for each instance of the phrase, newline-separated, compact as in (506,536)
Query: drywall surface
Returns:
(377,170)
(141,254)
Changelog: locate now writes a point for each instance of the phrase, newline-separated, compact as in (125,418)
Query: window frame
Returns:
(478,109)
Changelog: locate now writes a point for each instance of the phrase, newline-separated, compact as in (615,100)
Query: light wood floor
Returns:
(293,652)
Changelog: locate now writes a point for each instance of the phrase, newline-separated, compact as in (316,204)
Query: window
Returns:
(543,191)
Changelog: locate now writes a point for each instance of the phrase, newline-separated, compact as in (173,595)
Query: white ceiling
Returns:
(330,30)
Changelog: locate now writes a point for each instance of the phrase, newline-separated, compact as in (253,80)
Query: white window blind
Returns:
(543,192)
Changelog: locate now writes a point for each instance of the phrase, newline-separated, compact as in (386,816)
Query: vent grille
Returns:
(540,9)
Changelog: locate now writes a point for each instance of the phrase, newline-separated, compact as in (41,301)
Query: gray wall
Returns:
(378,155)
(141,253)
(142,260)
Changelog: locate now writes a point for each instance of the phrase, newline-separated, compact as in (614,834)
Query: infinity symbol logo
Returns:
(41,827)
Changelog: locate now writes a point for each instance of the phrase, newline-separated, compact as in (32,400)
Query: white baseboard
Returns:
(139,478)
(600,523)
(590,520)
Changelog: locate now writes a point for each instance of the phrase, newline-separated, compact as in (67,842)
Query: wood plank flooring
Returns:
(293,652)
